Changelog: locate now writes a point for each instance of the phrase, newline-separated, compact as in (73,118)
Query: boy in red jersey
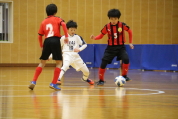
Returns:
(50,28)
(116,39)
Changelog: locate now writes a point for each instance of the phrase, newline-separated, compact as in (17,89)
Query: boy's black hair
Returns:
(114,13)
(51,9)
(71,24)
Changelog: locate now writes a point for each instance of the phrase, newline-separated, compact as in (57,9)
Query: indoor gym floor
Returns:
(150,95)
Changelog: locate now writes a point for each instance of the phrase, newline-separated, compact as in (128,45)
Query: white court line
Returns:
(97,88)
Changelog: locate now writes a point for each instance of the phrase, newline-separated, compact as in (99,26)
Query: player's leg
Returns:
(57,71)
(79,65)
(107,59)
(38,71)
(125,65)
(65,67)
(101,72)
(86,73)
(44,56)
(55,48)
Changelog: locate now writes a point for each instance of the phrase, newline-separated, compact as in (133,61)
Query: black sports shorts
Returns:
(52,45)
(118,51)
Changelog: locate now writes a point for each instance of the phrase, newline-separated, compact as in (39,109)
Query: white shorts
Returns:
(73,59)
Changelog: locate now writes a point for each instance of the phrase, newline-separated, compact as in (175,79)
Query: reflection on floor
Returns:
(151,95)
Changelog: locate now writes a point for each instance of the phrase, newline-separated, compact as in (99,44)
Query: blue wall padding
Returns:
(149,57)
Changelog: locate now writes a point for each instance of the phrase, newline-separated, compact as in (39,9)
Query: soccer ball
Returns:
(120,81)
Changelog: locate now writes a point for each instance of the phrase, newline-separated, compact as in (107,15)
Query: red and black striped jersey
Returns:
(116,35)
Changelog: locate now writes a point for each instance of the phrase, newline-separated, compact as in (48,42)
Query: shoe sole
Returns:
(100,84)
(31,86)
(54,88)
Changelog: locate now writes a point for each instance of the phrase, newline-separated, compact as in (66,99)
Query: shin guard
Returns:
(125,68)
(101,74)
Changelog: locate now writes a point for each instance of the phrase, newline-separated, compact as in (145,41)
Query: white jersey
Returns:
(75,41)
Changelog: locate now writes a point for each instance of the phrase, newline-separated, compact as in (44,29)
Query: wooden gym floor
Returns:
(151,95)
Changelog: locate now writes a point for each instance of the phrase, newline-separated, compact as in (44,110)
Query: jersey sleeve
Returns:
(104,30)
(82,43)
(126,28)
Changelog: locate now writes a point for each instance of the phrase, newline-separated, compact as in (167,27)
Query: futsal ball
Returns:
(120,81)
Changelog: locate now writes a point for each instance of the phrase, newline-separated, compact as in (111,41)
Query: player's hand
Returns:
(66,40)
(76,50)
(131,46)
(92,37)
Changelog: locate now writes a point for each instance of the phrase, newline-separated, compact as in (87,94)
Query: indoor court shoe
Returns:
(32,85)
(58,82)
(127,78)
(100,83)
(89,81)
(54,86)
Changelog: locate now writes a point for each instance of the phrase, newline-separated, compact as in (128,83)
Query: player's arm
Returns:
(40,35)
(129,31)
(82,44)
(40,39)
(66,40)
(100,36)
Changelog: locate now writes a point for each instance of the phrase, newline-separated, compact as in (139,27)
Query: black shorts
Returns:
(52,45)
(118,51)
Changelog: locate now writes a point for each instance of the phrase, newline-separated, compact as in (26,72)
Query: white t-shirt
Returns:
(75,41)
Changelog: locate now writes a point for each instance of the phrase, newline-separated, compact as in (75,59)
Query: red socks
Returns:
(56,75)
(101,74)
(39,70)
(37,73)
(125,68)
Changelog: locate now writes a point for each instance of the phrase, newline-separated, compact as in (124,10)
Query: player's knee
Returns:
(42,64)
(65,67)
(103,64)
(58,63)
(125,60)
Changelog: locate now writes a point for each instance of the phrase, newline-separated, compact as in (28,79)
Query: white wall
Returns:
(1,19)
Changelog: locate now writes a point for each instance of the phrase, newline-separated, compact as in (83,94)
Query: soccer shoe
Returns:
(89,81)
(100,83)
(58,82)
(54,86)
(32,85)
(127,78)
